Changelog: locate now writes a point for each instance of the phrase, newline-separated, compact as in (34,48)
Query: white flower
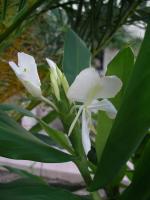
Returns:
(57,78)
(89,86)
(54,78)
(27,73)
(53,67)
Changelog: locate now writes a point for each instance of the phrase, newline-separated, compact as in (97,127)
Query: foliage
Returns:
(117,141)
(39,27)
(90,19)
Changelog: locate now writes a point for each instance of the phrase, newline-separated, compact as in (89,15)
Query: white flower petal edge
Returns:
(53,67)
(89,85)
(110,86)
(51,63)
(83,85)
(103,105)
(15,68)
(54,78)
(27,73)
(28,67)
(85,133)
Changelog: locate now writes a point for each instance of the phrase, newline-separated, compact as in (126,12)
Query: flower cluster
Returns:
(88,87)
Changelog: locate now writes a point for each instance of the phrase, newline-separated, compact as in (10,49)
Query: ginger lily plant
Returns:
(99,146)
(91,90)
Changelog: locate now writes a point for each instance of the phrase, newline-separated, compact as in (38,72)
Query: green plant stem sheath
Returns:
(95,196)
(82,166)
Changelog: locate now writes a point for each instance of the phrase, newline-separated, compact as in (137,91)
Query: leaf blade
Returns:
(122,66)
(139,188)
(76,55)
(132,122)
(17,143)
(30,189)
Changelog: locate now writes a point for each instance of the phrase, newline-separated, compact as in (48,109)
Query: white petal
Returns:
(34,90)
(89,85)
(53,68)
(103,105)
(110,86)
(84,85)
(14,67)
(85,133)
(29,68)
(51,63)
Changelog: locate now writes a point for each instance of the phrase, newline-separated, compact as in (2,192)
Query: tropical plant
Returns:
(102,142)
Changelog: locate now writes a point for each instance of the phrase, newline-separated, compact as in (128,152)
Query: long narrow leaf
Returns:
(10,107)
(140,186)
(17,143)
(30,189)
(132,122)
(4,9)
(47,119)
(58,136)
(121,66)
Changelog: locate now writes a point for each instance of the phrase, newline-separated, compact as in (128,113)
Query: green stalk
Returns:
(50,103)
(83,168)
(95,196)
(81,162)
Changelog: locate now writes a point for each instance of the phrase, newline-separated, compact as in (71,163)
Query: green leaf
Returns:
(121,66)
(58,136)
(17,143)
(132,121)
(140,186)
(46,139)
(10,107)
(23,173)
(4,9)
(103,130)
(21,4)
(76,55)
(48,118)
(31,189)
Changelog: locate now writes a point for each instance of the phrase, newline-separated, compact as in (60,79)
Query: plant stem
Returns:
(83,168)
(49,103)
(95,195)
